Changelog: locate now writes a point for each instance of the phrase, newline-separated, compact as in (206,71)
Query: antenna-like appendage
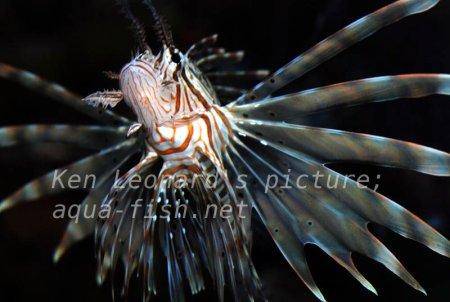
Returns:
(138,28)
(161,26)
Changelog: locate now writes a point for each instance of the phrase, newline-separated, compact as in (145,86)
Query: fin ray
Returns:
(336,43)
(329,145)
(297,106)
(82,136)
(42,186)
(58,93)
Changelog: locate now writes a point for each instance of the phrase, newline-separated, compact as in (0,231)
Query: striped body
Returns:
(175,107)
(179,140)
(248,133)
(186,127)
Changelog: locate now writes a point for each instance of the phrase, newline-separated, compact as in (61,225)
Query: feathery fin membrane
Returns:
(371,205)
(280,224)
(343,223)
(214,60)
(94,164)
(83,226)
(331,46)
(329,145)
(95,137)
(295,106)
(200,46)
(58,93)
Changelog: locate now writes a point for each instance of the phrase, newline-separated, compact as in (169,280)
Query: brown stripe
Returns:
(210,134)
(224,120)
(199,96)
(180,148)
(177,99)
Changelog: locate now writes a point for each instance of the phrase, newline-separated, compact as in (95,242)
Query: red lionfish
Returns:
(182,124)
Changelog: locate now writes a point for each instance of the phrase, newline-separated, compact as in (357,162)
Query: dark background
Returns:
(71,42)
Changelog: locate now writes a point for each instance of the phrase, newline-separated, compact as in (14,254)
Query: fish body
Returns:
(186,127)
(186,118)
(180,116)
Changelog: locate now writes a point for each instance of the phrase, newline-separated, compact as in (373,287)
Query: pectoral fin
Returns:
(104,98)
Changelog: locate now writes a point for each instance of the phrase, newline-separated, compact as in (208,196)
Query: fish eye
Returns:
(176,58)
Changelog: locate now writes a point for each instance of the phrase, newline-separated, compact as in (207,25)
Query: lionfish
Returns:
(187,128)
